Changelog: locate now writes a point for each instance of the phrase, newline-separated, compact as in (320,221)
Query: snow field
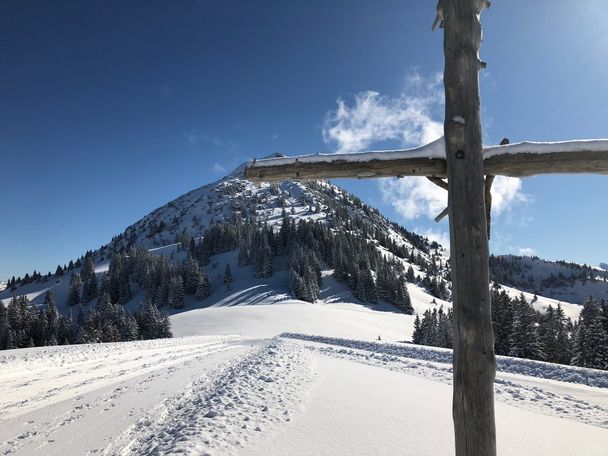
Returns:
(70,405)
(55,382)
(221,413)
(550,397)
(294,394)
(363,410)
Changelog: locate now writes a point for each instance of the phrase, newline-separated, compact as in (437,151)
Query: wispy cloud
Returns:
(165,90)
(438,235)
(219,169)
(414,197)
(507,192)
(372,117)
(407,120)
(196,136)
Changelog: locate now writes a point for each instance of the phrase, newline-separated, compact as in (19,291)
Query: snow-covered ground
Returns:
(268,375)
(253,371)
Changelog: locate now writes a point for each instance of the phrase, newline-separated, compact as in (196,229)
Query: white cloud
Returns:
(217,168)
(373,117)
(196,136)
(414,197)
(440,236)
(409,119)
(506,192)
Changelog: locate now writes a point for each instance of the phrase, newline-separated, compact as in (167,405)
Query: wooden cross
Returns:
(460,158)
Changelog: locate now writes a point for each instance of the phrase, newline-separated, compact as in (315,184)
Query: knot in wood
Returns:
(460,154)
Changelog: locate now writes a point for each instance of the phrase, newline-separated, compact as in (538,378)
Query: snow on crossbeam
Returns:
(531,158)
(515,160)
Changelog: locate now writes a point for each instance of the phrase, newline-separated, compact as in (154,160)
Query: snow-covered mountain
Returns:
(254,370)
(234,196)
(560,280)
(234,199)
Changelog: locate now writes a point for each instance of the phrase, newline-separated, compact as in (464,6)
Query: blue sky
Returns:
(111,109)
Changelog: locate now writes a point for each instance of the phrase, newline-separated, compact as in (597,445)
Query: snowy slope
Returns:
(560,280)
(234,196)
(294,394)
(253,371)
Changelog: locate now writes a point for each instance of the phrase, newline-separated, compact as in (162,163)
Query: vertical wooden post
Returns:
(474,361)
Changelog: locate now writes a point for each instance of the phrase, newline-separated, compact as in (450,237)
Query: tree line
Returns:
(25,325)
(523,332)
(363,257)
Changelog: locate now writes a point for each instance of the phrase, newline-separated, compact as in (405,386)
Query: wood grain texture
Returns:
(341,168)
(530,164)
(513,165)
(474,360)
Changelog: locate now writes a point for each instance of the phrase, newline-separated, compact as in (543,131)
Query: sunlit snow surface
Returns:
(328,387)
(254,372)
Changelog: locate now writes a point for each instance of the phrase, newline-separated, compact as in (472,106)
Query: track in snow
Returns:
(224,395)
(222,412)
(73,400)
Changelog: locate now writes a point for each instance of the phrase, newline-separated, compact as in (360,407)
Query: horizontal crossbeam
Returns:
(515,160)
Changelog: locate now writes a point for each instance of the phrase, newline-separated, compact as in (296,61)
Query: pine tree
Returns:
(191,275)
(524,335)
(88,269)
(228,277)
(444,329)
(591,342)
(175,298)
(80,319)
(104,286)
(360,292)
(74,294)
(402,299)
(89,289)
(51,318)
(152,324)
(203,288)
(547,334)
(124,288)
(563,341)
(297,286)
(417,336)
(502,320)
(64,334)
(265,269)
(4,327)
(410,276)
(371,292)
